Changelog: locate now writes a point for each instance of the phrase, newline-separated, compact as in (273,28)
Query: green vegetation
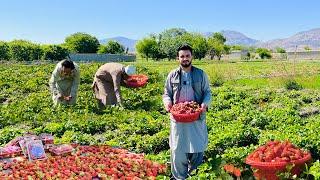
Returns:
(250,105)
(280,50)
(112,47)
(216,45)
(82,43)
(22,50)
(264,53)
(165,44)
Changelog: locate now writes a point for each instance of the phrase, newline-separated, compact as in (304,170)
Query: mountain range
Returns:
(298,41)
(235,38)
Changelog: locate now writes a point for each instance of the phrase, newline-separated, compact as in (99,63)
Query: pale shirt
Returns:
(64,85)
(187,137)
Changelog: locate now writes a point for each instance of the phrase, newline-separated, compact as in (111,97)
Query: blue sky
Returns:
(50,21)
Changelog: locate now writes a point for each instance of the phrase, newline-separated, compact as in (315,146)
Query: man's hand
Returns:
(67,98)
(168,106)
(204,107)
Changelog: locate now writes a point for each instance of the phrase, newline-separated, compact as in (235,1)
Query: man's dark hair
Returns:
(68,64)
(184,47)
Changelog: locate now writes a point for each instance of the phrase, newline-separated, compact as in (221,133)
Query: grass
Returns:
(255,74)
(308,82)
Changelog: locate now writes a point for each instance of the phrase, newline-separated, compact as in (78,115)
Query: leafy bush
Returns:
(8,133)
(84,139)
(280,50)
(4,51)
(315,170)
(149,48)
(112,47)
(21,50)
(216,79)
(292,85)
(54,52)
(264,53)
(306,99)
(237,155)
(54,128)
(82,43)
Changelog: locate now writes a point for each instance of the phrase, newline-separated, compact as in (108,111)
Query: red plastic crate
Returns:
(186,118)
(137,80)
(269,170)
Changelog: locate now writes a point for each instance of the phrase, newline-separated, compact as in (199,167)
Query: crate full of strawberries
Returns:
(137,80)
(186,111)
(274,157)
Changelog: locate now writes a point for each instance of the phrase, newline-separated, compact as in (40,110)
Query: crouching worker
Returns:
(64,82)
(107,81)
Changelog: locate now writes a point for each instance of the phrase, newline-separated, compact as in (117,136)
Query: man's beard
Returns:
(186,65)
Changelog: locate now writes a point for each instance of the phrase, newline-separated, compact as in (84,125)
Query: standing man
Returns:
(107,81)
(64,82)
(187,141)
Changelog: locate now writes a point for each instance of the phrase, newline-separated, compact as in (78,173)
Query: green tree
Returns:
(170,40)
(82,43)
(226,49)
(216,46)
(238,47)
(264,53)
(4,51)
(280,50)
(219,37)
(54,52)
(149,48)
(112,47)
(36,52)
(22,50)
(198,43)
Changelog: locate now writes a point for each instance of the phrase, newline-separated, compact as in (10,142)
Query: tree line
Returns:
(164,44)
(155,46)
(23,50)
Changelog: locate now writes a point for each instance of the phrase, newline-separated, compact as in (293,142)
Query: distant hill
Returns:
(126,42)
(235,38)
(302,39)
(310,38)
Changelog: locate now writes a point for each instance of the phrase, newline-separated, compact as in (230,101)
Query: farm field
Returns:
(252,103)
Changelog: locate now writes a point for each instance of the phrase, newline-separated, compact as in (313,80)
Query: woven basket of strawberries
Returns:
(186,111)
(137,80)
(274,157)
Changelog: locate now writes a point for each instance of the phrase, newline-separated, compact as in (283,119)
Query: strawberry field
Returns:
(252,103)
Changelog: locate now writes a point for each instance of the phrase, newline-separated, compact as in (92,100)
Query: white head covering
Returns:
(130,70)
